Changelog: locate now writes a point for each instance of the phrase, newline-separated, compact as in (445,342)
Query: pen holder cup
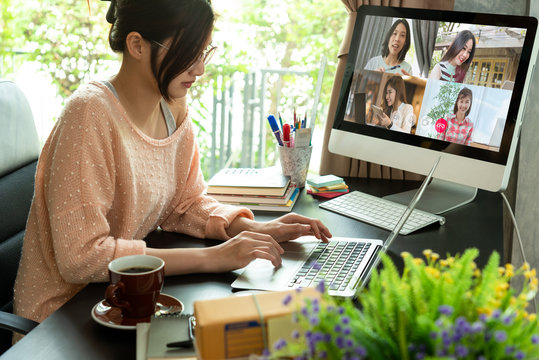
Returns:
(295,163)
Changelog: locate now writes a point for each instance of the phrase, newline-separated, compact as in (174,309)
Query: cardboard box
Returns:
(230,327)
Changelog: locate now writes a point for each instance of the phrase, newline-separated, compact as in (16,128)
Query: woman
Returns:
(122,161)
(394,49)
(396,114)
(459,127)
(456,60)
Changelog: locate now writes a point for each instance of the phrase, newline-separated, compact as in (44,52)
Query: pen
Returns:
(280,120)
(275,128)
(394,67)
(286,135)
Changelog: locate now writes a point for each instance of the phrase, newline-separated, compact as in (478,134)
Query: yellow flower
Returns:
(526,266)
(444,262)
(432,271)
(427,253)
(509,270)
(435,256)
(405,254)
(477,273)
(532,317)
(501,270)
(418,261)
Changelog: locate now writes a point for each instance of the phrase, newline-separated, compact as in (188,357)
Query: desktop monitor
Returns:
(425,84)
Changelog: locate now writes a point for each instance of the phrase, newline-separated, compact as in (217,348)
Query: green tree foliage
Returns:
(67,37)
(445,100)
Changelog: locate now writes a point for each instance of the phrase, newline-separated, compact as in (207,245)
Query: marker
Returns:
(280,120)
(275,128)
(286,135)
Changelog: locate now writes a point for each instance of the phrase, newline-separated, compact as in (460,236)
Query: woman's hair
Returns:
(188,22)
(404,50)
(456,46)
(464,92)
(397,83)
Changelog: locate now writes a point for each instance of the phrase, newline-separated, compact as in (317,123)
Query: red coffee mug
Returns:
(135,284)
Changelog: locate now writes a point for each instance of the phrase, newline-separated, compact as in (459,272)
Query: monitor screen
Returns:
(422,84)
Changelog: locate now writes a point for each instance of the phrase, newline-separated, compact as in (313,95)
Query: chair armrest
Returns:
(16,323)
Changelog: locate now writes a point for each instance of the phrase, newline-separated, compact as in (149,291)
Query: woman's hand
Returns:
(291,226)
(384,120)
(239,251)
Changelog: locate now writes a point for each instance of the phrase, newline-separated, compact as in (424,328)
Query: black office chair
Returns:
(19,149)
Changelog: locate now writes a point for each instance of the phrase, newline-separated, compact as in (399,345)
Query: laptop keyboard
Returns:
(379,212)
(335,262)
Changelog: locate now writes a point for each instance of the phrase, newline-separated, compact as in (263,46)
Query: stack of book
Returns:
(327,186)
(257,189)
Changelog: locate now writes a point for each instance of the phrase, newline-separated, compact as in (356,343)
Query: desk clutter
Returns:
(327,186)
(257,189)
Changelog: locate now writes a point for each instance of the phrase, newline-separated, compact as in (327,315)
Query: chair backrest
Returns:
(19,150)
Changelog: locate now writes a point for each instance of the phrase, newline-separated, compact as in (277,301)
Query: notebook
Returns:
(345,264)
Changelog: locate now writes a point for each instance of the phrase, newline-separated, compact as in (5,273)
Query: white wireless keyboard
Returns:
(379,212)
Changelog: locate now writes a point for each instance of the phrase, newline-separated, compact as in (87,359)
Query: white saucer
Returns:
(111,317)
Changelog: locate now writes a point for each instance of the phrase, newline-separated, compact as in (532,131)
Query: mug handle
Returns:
(114,294)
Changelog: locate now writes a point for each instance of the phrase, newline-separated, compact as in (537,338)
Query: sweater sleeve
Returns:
(199,215)
(79,190)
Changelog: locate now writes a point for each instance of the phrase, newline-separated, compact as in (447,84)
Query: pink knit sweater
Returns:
(101,186)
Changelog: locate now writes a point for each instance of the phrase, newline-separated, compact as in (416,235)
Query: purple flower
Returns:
(281,343)
(420,356)
(287,299)
(345,320)
(339,341)
(433,335)
(508,319)
(477,327)
(340,310)
(500,336)
(314,320)
(483,317)
(295,334)
(535,339)
(349,343)
(496,314)
(322,354)
(360,350)
(509,350)
(519,355)
(461,350)
(315,265)
(265,352)
(445,309)
(337,328)
(321,287)
(347,331)
(304,311)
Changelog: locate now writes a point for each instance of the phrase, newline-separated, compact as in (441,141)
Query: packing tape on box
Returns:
(262,323)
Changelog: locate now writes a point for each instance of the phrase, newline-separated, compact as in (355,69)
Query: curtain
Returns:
(424,36)
(341,165)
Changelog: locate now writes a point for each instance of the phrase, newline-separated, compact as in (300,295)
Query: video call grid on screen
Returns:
(491,86)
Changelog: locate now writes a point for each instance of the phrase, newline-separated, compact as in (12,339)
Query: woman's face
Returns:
(179,86)
(390,95)
(463,54)
(463,104)
(397,40)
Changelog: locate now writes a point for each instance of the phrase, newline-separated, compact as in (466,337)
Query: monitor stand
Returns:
(439,197)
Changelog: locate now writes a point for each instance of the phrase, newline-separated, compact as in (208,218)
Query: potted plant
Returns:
(436,309)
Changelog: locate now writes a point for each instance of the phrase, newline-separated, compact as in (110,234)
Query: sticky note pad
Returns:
(324,180)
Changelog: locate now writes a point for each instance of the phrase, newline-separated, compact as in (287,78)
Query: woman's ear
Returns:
(135,45)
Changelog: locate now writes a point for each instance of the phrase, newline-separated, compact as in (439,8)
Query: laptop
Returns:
(345,264)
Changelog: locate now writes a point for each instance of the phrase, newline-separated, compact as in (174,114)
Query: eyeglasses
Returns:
(204,56)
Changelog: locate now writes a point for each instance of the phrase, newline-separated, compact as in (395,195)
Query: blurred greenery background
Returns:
(50,47)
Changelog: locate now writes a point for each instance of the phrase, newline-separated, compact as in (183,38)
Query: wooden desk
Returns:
(70,333)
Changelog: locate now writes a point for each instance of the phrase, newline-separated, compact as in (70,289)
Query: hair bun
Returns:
(111,12)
